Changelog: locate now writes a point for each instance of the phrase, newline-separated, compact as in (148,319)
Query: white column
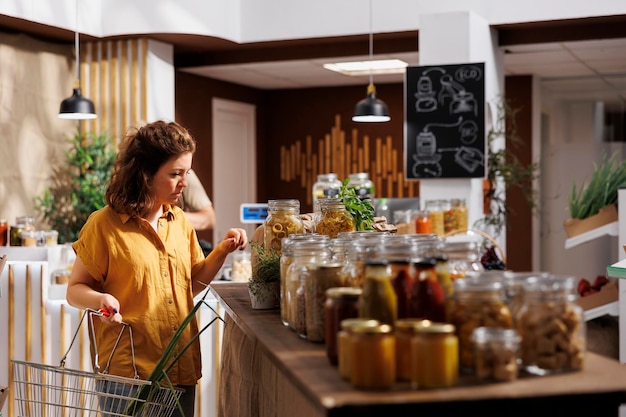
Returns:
(160,83)
(457,38)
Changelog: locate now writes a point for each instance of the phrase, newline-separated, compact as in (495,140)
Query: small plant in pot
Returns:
(264,284)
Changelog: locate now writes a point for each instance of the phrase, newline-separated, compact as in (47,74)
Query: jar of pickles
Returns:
(552,326)
(332,218)
(373,351)
(435,356)
(478,303)
(283,219)
(341,303)
(378,300)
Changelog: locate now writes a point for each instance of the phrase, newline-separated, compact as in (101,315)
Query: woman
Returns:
(139,258)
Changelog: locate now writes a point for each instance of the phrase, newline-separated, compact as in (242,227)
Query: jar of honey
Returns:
(341,303)
(435,356)
(373,351)
(405,330)
(344,340)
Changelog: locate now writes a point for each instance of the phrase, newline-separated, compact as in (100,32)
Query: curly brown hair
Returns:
(142,152)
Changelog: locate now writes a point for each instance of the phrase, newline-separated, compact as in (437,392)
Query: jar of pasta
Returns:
(459,210)
(435,212)
(332,218)
(283,219)
(552,326)
(305,253)
(478,303)
(373,351)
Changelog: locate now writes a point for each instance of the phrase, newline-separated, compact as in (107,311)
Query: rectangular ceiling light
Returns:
(382,66)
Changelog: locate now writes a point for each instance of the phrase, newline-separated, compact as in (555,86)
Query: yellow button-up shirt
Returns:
(149,272)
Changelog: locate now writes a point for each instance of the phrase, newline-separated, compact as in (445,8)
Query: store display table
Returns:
(268,370)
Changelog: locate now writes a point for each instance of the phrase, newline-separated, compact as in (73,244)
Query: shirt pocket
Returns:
(182,268)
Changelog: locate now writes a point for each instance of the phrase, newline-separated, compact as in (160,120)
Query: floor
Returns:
(603,337)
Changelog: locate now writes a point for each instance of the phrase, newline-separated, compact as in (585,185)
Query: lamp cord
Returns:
(371,45)
(76,46)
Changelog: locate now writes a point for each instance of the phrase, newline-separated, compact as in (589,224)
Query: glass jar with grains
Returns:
(332,218)
(283,219)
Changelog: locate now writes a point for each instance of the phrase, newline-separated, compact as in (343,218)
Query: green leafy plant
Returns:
(78,187)
(265,270)
(361,210)
(601,190)
(504,167)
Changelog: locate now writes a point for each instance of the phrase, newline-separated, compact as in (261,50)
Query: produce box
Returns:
(606,295)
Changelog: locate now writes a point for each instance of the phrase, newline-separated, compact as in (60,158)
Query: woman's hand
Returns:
(234,239)
(110,308)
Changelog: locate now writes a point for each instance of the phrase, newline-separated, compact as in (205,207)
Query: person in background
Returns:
(139,260)
(197,204)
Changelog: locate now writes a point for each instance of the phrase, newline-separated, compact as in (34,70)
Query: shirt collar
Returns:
(168,213)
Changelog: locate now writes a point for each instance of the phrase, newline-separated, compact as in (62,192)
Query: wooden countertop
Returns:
(599,388)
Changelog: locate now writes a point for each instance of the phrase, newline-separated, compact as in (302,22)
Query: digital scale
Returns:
(253,212)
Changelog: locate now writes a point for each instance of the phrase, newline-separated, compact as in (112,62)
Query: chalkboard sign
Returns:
(445,121)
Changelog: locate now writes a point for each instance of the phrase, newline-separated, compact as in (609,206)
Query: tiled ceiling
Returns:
(582,69)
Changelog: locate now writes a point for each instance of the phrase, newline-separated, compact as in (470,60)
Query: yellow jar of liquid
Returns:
(373,351)
(435,356)
(344,358)
(405,329)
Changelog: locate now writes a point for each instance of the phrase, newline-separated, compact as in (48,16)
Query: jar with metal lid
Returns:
(435,213)
(478,303)
(405,330)
(435,356)
(332,218)
(283,219)
(362,185)
(496,351)
(373,350)
(344,341)
(4,232)
(327,186)
(378,300)
(514,283)
(341,303)
(15,238)
(27,221)
(318,278)
(552,326)
(463,256)
(286,259)
(361,249)
(305,253)
(340,247)
(426,297)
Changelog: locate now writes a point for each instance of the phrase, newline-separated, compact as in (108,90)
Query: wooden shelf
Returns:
(610,229)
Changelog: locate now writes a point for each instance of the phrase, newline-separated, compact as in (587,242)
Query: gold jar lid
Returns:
(377,329)
(436,328)
(349,324)
(344,292)
(410,325)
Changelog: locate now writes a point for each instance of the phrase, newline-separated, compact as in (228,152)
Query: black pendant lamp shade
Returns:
(77,107)
(371,109)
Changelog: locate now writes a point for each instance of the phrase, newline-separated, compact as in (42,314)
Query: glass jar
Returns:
(341,303)
(449,221)
(304,253)
(362,247)
(405,330)
(459,210)
(552,326)
(514,283)
(463,256)
(327,186)
(435,212)
(373,350)
(283,219)
(4,232)
(318,278)
(51,237)
(423,222)
(362,185)
(404,221)
(496,351)
(344,341)
(28,238)
(426,297)
(332,218)
(478,303)
(378,300)
(15,238)
(445,281)
(27,221)
(435,356)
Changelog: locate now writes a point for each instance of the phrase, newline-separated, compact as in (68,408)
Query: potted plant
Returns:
(594,203)
(264,284)
(78,186)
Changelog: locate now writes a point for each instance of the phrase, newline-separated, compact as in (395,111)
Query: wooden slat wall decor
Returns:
(114,77)
(304,160)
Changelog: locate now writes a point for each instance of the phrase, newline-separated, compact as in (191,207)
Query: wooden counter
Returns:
(268,371)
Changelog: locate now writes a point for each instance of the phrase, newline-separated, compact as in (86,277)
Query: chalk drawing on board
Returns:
(427,159)
(425,95)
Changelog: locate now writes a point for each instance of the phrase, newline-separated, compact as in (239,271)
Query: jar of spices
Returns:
(332,218)
(423,222)
(405,330)
(378,300)
(478,303)
(318,279)
(427,299)
(435,356)
(341,303)
(344,347)
(552,326)
(373,351)
(4,232)
(283,219)
(497,353)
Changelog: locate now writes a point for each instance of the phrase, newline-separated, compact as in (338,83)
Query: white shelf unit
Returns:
(611,229)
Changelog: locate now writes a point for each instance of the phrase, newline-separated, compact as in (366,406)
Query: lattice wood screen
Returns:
(342,155)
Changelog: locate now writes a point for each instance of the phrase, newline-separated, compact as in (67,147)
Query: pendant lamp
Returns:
(77,107)
(371,109)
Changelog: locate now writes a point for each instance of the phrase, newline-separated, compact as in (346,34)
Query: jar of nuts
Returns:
(552,326)
(477,303)
(497,353)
